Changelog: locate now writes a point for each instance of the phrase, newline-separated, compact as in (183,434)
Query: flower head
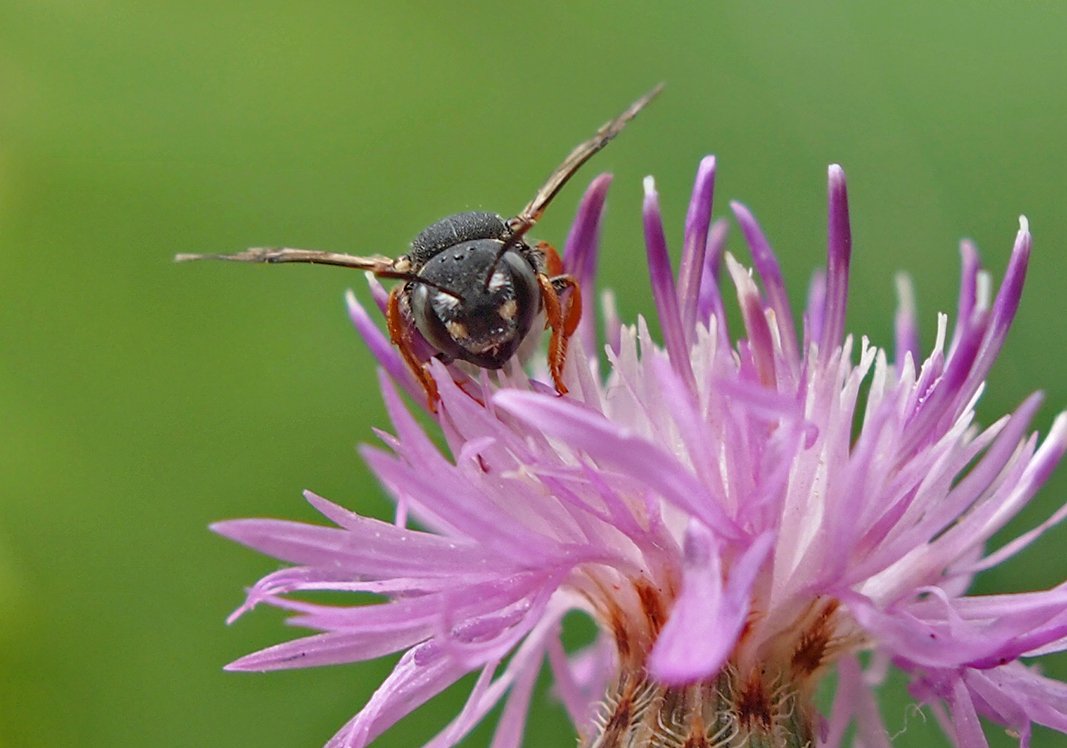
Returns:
(740,516)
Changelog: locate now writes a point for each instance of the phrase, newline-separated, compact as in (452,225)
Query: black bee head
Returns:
(476,319)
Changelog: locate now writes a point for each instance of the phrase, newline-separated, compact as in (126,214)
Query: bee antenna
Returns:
(533,211)
(381,267)
(438,287)
(508,243)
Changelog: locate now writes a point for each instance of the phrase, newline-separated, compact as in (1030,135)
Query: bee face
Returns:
(492,307)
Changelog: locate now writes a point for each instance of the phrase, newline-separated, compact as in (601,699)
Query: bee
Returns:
(473,285)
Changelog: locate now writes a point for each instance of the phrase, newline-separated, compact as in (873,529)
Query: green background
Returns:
(141,400)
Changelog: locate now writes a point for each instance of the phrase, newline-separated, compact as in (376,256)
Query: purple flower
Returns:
(731,512)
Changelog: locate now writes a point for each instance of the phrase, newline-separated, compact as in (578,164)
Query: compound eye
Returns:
(527,293)
(428,305)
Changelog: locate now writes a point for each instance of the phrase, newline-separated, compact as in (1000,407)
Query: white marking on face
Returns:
(508,310)
(498,281)
(443,302)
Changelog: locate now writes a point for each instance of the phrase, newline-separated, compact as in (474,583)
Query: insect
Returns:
(473,285)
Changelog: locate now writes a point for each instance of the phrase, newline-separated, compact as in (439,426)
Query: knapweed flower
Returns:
(741,517)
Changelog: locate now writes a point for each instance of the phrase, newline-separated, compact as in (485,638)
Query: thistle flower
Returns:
(737,524)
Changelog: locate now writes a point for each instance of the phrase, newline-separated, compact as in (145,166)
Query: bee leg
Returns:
(561,318)
(400,334)
(572,313)
(572,307)
(553,263)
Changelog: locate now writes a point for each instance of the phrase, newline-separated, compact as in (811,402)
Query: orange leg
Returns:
(553,262)
(572,313)
(400,334)
(562,319)
(554,267)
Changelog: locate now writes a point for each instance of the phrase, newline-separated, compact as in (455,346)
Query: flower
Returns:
(734,520)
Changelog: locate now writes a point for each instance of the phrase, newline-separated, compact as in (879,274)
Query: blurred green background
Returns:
(142,400)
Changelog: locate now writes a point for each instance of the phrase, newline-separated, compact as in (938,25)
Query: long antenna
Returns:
(531,214)
(381,266)
(377,264)
(533,211)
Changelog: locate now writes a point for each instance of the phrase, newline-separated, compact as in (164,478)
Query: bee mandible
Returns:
(473,284)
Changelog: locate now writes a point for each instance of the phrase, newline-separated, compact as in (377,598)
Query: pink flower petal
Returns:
(623,451)
(697,222)
(707,616)
(838,257)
